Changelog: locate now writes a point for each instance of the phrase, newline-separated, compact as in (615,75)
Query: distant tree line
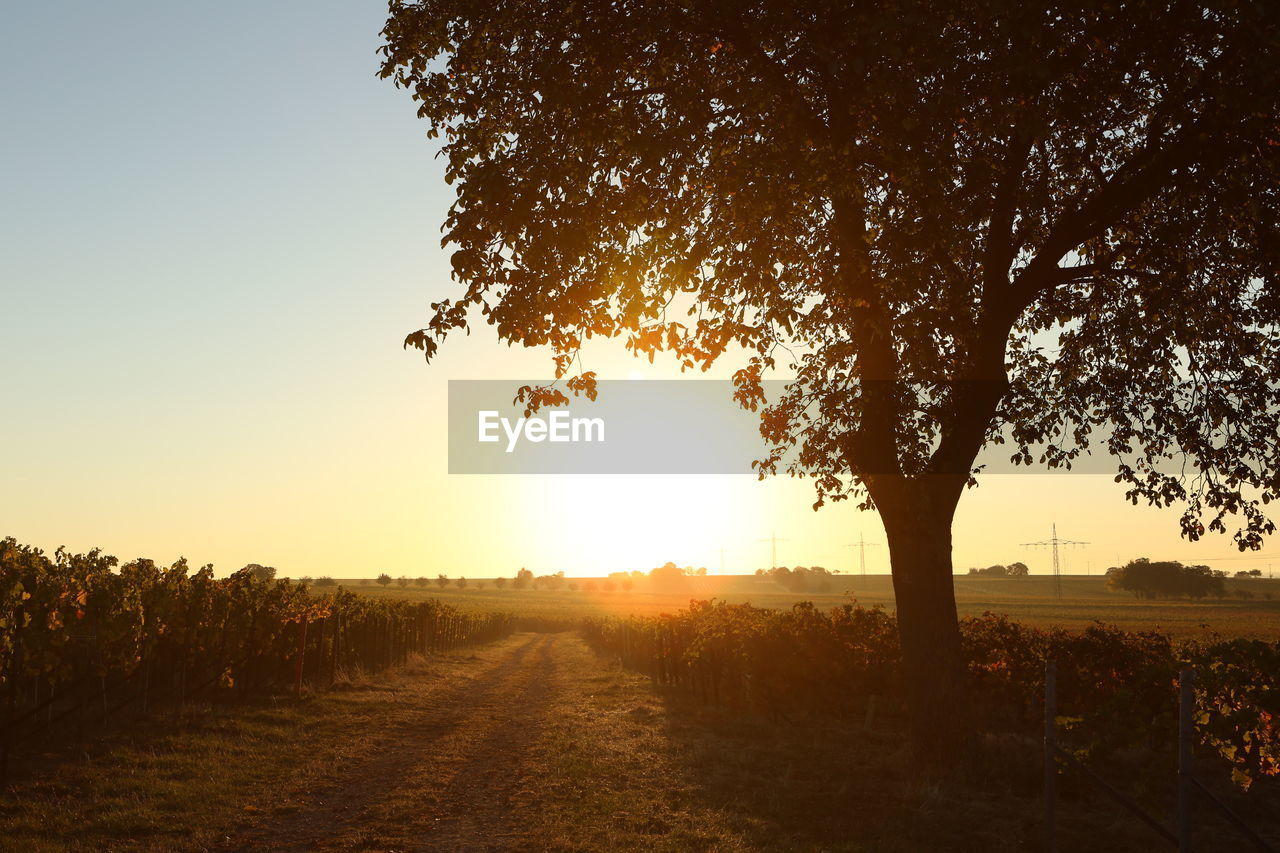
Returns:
(669,574)
(666,574)
(1170,579)
(1166,579)
(1013,570)
(1142,577)
(801,578)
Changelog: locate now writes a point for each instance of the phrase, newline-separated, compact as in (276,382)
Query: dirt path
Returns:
(447,774)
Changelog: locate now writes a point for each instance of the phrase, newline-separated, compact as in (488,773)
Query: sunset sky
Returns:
(218,227)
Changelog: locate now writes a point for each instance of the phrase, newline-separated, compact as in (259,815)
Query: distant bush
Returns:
(325,580)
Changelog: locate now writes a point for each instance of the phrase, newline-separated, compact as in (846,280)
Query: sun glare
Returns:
(593,525)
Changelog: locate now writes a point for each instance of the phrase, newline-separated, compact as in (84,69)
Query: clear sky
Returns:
(218,225)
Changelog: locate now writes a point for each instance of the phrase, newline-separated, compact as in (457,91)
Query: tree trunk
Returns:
(917,518)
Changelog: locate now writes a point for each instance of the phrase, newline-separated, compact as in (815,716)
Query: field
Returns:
(1085,599)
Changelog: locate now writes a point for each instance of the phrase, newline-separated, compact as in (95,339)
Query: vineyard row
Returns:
(1116,689)
(81,639)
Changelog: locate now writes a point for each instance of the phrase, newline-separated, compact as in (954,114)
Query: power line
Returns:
(1184,559)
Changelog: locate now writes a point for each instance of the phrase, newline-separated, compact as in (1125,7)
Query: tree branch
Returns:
(1199,143)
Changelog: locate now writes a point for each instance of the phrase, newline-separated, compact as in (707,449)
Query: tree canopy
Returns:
(947,225)
(904,195)
(266,573)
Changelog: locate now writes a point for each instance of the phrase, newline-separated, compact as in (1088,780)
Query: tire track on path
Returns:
(442,781)
(479,807)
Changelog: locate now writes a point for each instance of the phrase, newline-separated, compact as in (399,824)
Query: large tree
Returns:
(962,223)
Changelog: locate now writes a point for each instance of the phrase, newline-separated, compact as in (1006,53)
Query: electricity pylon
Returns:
(773,543)
(1057,564)
(862,545)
